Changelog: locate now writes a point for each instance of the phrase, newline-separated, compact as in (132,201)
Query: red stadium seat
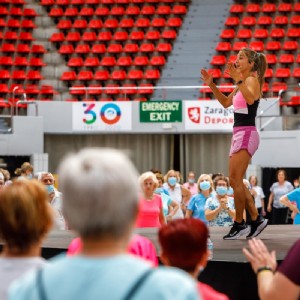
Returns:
(73,36)
(146,89)
(126,23)
(179,10)
(9,48)
(284,7)
(281,20)
(164,10)
(47,90)
(66,49)
(253,8)
(124,61)
(135,74)
(2,23)
(269,73)
(86,12)
(36,62)
(277,33)
(237,46)
(101,75)
(295,20)
(27,24)
(10,36)
(218,60)
(96,89)
(62,2)
(18,75)
(17,88)
(75,62)
(95,24)
(64,24)
(115,48)
(278,86)
(85,75)
(21,61)
(236,9)
(268,8)
(142,23)
(112,89)
(148,10)
(130,89)
(68,76)
(293,33)
(4,11)
(232,58)
(57,37)
(261,33)
(34,75)
(91,62)
(82,49)
(13,23)
(3,89)
(132,10)
(80,24)
(141,61)
(136,35)
(111,23)
(6,61)
(216,73)
(102,11)
(232,21)
(26,36)
(131,48)
(174,22)
(249,21)
(286,59)
(98,48)
(283,73)
(223,47)
(89,36)
(164,47)
(158,22)
(56,12)
(169,34)
(79,91)
(244,34)
(257,46)
(118,75)
(158,60)
(38,49)
(227,34)
(4,75)
(264,20)
(77,2)
(71,12)
(297,7)
(273,46)
(271,59)
(290,45)
(147,47)
(120,36)
(108,61)
(296,72)
(104,36)
(154,35)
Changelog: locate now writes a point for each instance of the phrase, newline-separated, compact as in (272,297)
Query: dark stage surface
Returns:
(228,271)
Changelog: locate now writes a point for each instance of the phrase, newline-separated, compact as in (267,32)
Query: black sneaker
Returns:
(237,230)
(257,227)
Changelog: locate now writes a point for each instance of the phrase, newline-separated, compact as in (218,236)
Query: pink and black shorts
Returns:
(244,137)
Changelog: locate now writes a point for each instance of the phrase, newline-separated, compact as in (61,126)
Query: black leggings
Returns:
(279,215)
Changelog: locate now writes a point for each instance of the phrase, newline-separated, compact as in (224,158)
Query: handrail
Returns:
(26,102)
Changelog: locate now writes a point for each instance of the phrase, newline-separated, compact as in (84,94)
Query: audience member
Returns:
(177,192)
(2,180)
(292,201)
(191,185)
(55,199)
(151,207)
(282,284)
(184,246)
(170,207)
(25,219)
(100,189)
(219,209)
(279,189)
(258,194)
(196,205)
(26,171)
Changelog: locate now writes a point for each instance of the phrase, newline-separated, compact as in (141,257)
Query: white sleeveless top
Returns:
(176,195)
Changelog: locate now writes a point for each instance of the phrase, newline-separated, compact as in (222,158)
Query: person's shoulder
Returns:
(210,293)
(163,278)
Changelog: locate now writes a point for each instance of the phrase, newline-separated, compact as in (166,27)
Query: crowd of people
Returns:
(104,205)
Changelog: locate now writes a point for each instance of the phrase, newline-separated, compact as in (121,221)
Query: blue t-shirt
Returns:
(295,197)
(196,205)
(80,277)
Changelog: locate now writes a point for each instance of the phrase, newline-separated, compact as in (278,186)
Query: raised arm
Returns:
(285,201)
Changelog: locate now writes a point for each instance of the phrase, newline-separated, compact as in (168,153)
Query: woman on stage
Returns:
(248,73)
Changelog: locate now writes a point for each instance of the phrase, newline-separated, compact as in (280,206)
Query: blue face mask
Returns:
(172,181)
(159,190)
(221,190)
(191,181)
(230,191)
(204,185)
(50,188)
(29,176)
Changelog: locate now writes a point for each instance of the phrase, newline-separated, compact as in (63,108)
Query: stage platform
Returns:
(228,271)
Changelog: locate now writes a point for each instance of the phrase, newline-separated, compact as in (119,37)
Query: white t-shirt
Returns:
(176,195)
(12,268)
(56,204)
(259,195)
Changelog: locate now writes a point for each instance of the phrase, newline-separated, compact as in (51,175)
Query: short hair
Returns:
(184,242)
(221,177)
(281,171)
(145,176)
(26,166)
(168,174)
(209,179)
(100,191)
(255,177)
(25,214)
(159,177)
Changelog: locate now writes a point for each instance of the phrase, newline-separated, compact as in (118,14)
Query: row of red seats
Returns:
(123,61)
(263,20)
(260,33)
(14,2)
(118,48)
(96,89)
(14,36)
(147,10)
(284,7)
(257,46)
(14,23)
(21,61)
(31,89)
(17,11)
(22,48)
(279,73)
(21,75)
(220,60)
(105,2)
(102,75)
(120,36)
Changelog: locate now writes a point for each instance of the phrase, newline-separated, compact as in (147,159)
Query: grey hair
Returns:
(40,175)
(100,192)
(145,176)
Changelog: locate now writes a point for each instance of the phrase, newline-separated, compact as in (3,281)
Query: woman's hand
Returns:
(206,77)
(269,208)
(233,72)
(259,256)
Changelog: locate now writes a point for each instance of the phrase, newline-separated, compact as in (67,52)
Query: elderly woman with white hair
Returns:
(151,206)
(100,189)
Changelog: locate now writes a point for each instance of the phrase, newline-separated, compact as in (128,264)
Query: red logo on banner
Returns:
(194,114)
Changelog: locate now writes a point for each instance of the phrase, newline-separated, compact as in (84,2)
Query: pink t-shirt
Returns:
(192,188)
(149,211)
